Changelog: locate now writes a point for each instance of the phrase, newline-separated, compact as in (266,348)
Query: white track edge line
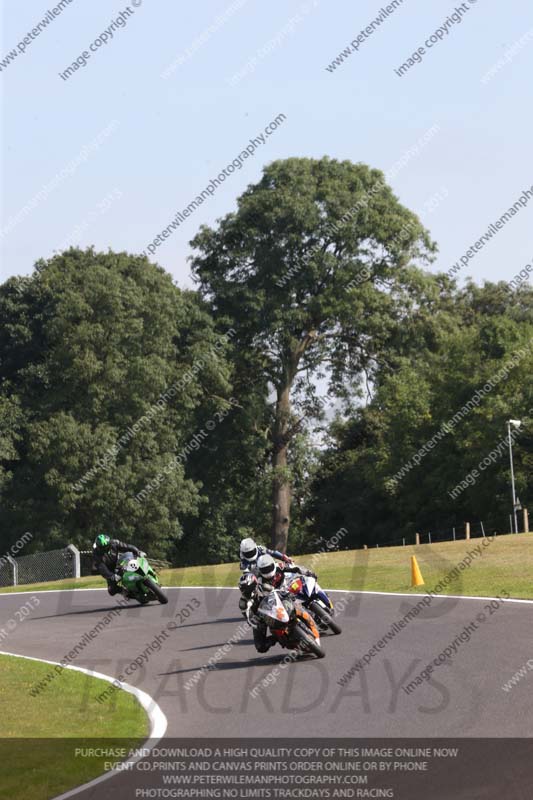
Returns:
(158,720)
(343,591)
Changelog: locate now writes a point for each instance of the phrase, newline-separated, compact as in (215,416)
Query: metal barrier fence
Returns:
(86,563)
(38,567)
(7,571)
(53,565)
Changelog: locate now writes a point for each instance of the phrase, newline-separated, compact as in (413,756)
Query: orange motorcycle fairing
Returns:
(309,622)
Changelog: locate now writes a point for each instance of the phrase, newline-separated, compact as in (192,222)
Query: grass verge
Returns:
(39,734)
(504,565)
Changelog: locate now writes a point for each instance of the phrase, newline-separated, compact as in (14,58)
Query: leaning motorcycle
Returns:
(138,580)
(290,624)
(312,597)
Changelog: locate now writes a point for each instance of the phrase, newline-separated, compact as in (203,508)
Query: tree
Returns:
(108,362)
(230,468)
(429,451)
(314,271)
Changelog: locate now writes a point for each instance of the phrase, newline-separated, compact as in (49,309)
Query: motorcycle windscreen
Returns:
(272,608)
(129,564)
(125,558)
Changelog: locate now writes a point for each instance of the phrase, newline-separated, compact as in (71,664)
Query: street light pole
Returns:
(516,423)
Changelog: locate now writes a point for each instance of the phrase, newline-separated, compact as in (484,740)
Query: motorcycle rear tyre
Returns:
(326,618)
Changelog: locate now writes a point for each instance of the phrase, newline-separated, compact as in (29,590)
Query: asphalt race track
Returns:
(464,697)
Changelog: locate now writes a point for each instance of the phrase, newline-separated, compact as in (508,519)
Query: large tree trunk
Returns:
(281,488)
(283,432)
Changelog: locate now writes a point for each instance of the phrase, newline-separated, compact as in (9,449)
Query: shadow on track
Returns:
(215,620)
(222,666)
(247,642)
(118,608)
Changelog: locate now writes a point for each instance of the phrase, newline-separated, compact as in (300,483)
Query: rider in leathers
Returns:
(270,576)
(106,552)
(249,553)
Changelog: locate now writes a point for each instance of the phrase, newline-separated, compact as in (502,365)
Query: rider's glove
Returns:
(115,577)
(310,574)
(142,554)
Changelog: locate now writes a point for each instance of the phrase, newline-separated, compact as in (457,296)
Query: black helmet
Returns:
(247,584)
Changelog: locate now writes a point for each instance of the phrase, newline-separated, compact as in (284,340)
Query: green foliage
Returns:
(115,386)
(231,469)
(490,326)
(314,271)
(306,253)
(87,350)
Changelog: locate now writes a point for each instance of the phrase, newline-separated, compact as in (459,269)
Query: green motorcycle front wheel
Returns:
(156,590)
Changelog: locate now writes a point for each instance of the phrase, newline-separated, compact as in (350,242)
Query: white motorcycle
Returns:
(307,590)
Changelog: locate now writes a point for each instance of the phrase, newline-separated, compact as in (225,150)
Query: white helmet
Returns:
(248,550)
(266,566)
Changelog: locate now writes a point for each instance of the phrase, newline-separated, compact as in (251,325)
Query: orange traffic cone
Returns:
(416,575)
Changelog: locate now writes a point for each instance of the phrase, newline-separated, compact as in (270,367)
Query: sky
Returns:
(173,93)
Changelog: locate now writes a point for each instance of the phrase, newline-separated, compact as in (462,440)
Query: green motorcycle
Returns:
(138,580)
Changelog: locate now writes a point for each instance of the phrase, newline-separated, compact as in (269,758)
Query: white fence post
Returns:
(15,570)
(76,553)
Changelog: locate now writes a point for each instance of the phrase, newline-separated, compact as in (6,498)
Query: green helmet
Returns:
(102,542)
